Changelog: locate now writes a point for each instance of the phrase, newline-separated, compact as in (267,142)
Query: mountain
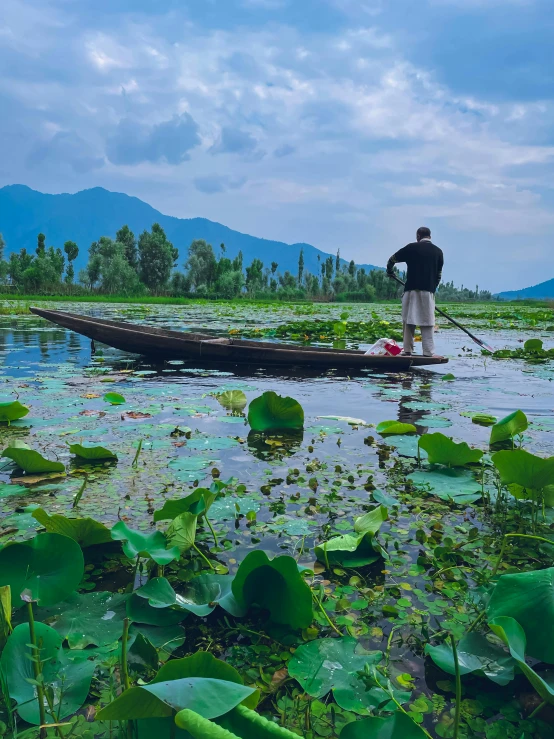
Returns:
(89,214)
(542,291)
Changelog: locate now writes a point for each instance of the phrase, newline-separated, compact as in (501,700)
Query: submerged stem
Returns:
(124,668)
(37,669)
(538,709)
(325,614)
(458,687)
(206,560)
(211,529)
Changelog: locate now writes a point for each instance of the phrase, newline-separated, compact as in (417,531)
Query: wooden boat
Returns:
(161,344)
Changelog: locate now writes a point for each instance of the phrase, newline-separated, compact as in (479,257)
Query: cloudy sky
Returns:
(342,123)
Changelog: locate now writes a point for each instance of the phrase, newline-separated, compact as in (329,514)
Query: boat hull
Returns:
(163,344)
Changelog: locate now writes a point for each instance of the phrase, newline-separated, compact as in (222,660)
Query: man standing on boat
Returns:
(425,262)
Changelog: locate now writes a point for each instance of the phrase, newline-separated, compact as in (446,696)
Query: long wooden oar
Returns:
(449,318)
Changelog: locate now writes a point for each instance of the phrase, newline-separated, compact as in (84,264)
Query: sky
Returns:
(341,123)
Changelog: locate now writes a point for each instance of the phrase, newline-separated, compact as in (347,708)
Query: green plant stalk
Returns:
(326,557)
(458,687)
(325,614)
(37,669)
(206,560)
(538,709)
(513,536)
(135,460)
(124,668)
(80,492)
(211,529)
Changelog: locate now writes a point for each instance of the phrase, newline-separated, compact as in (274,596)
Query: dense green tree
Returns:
(300,266)
(201,265)
(255,276)
(157,255)
(3,263)
(274,266)
(72,251)
(41,247)
(126,237)
(337,262)
(237,262)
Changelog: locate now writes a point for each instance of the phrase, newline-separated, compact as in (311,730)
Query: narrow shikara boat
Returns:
(161,344)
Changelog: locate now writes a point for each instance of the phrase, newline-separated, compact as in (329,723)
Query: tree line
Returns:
(128,266)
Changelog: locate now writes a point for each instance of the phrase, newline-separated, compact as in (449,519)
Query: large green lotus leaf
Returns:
(483,419)
(350,550)
(181,532)
(141,654)
(233,400)
(87,618)
(507,428)
(137,544)
(31,461)
(333,664)
(186,469)
(406,446)
(512,634)
(452,484)
(274,584)
(114,398)
(271,412)
(200,664)
(91,453)
(69,679)
(165,638)
(371,522)
(140,611)
(7,489)
(397,726)
(201,596)
(198,502)
(533,345)
(85,531)
(442,450)
(523,468)
(51,566)
(395,428)
(12,410)
(204,695)
(240,723)
(528,597)
(475,654)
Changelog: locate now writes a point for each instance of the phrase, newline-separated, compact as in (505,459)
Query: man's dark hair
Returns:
(423,233)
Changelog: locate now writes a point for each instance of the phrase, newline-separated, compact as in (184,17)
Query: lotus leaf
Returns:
(201,596)
(69,679)
(233,400)
(11,411)
(350,550)
(198,503)
(371,522)
(31,462)
(140,611)
(406,446)
(523,468)
(397,726)
(512,634)
(507,428)
(395,427)
(528,597)
(165,638)
(276,585)
(181,532)
(533,345)
(137,544)
(211,443)
(141,654)
(450,484)
(91,453)
(51,566)
(187,468)
(448,378)
(201,682)
(114,398)
(442,450)
(7,489)
(475,655)
(87,618)
(85,531)
(272,412)
(483,419)
(333,664)
(347,419)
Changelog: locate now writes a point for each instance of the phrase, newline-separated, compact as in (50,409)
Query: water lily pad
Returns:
(50,566)
(475,655)
(7,489)
(272,412)
(442,450)
(92,453)
(395,428)
(434,422)
(201,595)
(85,531)
(181,532)
(210,443)
(114,398)
(32,462)
(137,544)
(510,426)
(325,665)
(524,469)
(406,446)
(274,584)
(455,485)
(232,399)
(397,726)
(187,468)
(87,618)
(12,410)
